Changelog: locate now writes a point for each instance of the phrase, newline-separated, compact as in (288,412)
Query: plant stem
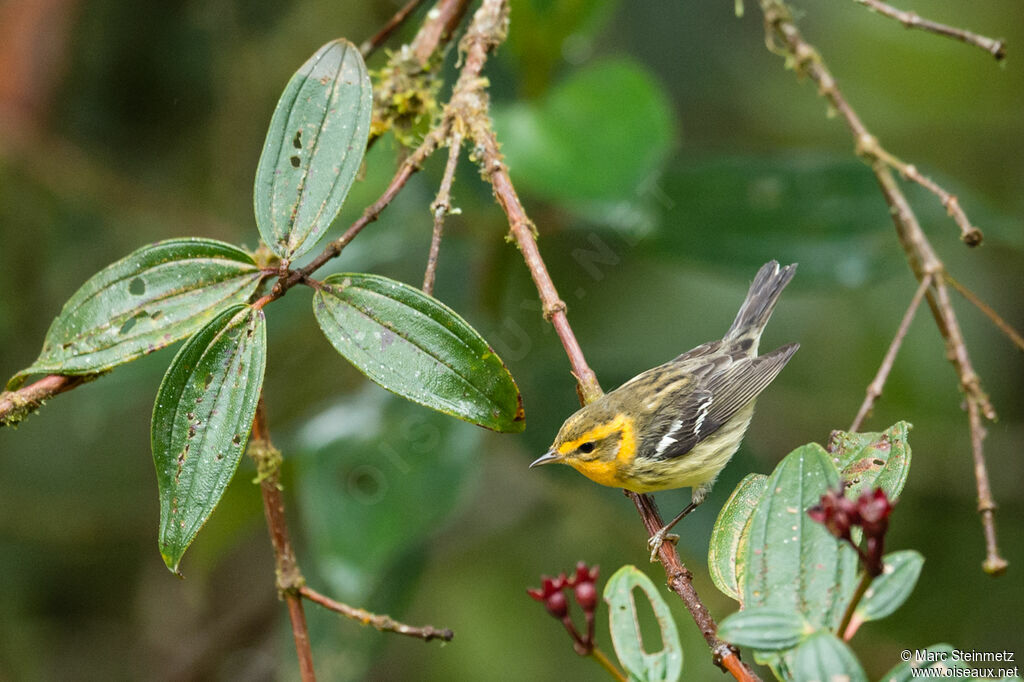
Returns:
(606,663)
(381,622)
(996,48)
(289,578)
(370,45)
(441,207)
(16,405)
(874,391)
(845,630)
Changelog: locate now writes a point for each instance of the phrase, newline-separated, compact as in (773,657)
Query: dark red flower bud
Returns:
(557,605)
(874,508)
(586,595)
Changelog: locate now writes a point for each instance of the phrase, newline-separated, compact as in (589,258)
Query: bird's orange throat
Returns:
(606,472)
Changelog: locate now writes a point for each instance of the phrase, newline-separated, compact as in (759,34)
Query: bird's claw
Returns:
(658,539)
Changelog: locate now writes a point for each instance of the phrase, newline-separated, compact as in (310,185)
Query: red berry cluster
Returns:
(869,512)
(552,594)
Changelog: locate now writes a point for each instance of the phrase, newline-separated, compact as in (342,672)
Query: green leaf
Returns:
(823,657)
(149,299)
(764,628)
(598,135)
(314,147)
(792,562)
(201,422)
(873,460)
(414,345)
(889,590)
(729,536)
(378,462)
(624,623)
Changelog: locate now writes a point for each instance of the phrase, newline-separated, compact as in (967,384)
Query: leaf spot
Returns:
(297,142)
(295,161)
(137,287)
(237,440)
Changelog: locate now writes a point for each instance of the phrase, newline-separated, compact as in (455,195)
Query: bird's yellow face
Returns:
(602,449)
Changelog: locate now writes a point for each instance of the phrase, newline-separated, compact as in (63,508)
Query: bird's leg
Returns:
(663,535)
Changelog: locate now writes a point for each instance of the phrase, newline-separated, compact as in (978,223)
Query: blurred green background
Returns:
(664,154)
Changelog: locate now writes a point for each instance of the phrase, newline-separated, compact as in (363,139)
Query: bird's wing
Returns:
(718,396)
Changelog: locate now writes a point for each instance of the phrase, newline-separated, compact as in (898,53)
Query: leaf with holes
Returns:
(729,536)
(791,562)
(624,624)
(314,146)
(414,345)
(873,460)
(145,301)
(201,422)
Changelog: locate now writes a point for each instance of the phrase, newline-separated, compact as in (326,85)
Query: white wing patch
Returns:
(702,412)
(667,439)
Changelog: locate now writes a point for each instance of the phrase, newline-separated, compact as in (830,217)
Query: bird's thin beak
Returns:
(547,458)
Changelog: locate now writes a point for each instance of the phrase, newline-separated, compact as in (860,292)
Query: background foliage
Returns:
(664,155)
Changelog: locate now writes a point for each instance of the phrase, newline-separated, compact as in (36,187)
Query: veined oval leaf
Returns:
(661,666)
(889,590)
(791,561)
(149,299)
(764,628)
(732,528)
(873,460)
(414,345)
(823,657)
(201,422)
(314,146)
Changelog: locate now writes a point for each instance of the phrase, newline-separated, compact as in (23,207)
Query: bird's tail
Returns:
(764,293)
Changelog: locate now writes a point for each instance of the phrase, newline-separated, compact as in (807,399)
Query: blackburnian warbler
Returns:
(679,424)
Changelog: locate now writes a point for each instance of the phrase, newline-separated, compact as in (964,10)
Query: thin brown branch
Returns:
(874,391)
(998,321)
(469,106)
(438,28)
(969,234)
(289,578)
(997,48)
(782,36)
(994,563)
(383,623)
(16,405)
(441,207)
(370,45)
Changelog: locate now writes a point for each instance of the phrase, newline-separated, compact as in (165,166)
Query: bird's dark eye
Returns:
(587,448)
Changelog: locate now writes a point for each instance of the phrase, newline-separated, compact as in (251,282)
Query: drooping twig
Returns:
(383,623)
(289,578)
(470,105)
(996,48)
(441,207)
(370,45)
(998,321)
(782,36)
(16,405)
(878,383)
(437,29)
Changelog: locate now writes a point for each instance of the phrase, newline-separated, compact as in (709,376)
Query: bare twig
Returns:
(470,106)
(969,234)
(437,30)
(998,321)
(441,207)
(16,405)
(782,36)
(370,45)
(289,578)
(996,48)
(875,387)
(383,623)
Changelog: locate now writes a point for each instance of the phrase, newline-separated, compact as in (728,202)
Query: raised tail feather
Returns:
(757,308)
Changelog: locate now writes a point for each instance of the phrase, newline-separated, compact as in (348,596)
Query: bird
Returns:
(677,425)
